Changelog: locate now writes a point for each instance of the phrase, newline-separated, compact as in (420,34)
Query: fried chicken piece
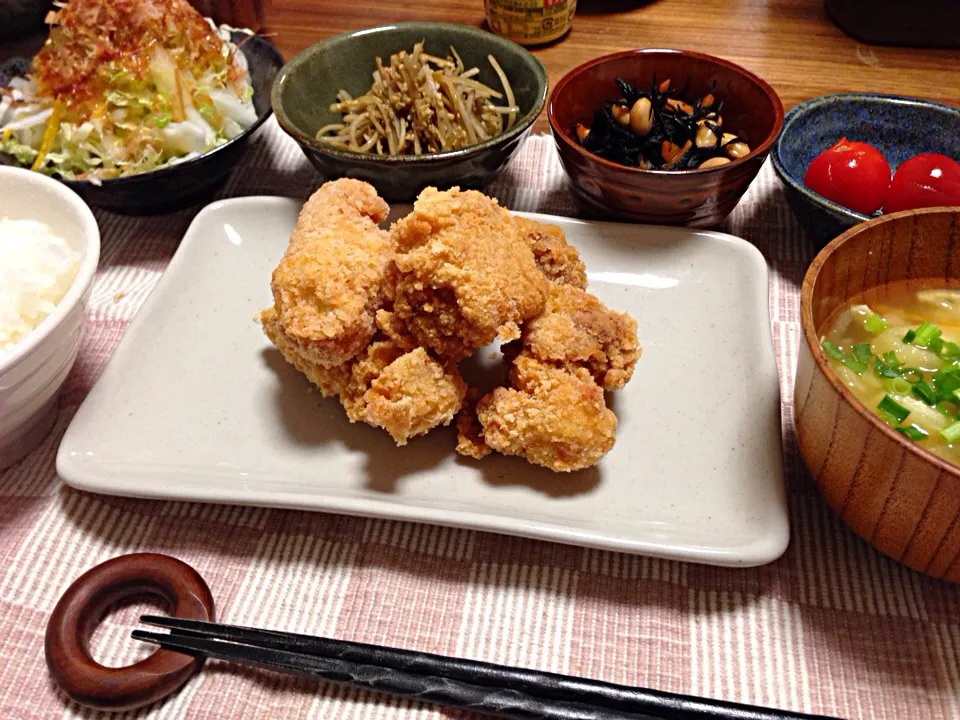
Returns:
(393,327)
(556,258)
(554,413)
(553,417)
(332,278)
(413,395)
(464,274)
(576,330)
(363,370)
(379,320)
(405,393)
(331,381)
(470,440)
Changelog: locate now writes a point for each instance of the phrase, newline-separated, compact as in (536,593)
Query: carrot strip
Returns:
(50,131)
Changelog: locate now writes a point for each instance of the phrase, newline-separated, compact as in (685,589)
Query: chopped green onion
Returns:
(946,383)
(890,358)
(935,345)
(908,338)
(949,351)
(951,433)
(882,369)
(874,324)
(914,432)
(894,409)
(851,362)
(898,386)
(161,120)
(117,75)
(926,332)
(911,374)
(923,391)
(831,349)
(956,394)
(862,352)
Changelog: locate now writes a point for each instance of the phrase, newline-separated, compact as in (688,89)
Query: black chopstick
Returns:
(503,702)
(533,683)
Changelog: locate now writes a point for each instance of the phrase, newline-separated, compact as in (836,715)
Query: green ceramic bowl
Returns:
(309,83)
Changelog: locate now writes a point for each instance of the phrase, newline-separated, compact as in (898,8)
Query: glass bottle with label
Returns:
(530,22)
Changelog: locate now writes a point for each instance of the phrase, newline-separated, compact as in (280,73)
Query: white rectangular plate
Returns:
(196,405)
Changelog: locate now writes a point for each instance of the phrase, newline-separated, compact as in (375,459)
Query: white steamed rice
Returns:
(36,270)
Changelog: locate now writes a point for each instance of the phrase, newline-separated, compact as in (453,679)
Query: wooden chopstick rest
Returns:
(81,608)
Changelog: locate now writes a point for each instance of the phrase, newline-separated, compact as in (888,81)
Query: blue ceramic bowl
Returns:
(898,127)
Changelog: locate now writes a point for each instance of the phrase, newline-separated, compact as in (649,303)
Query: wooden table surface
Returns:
(792,44)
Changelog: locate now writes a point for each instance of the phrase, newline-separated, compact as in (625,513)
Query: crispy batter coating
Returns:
(576,330)
(553,417)
(380,319)
(469,430)
(405,393)
(364,369)
(464,274)
(331,380)
(332,278)
(554,413)
(555,257)
(413,395)
(394,328)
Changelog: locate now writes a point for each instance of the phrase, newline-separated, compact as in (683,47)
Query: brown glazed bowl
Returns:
(900,498)
(700,198)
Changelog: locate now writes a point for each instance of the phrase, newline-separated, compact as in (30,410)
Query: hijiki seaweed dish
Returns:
(657,130)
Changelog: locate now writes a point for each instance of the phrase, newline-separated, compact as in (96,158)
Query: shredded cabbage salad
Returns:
(123,87)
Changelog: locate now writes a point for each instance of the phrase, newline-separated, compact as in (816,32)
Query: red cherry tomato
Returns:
(927,180)
(852,174)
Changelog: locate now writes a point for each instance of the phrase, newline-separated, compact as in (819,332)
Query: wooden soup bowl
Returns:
(900,498)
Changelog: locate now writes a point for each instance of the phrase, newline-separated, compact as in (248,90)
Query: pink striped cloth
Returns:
(833,627)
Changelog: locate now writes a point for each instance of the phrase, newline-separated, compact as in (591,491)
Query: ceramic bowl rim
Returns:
(838,98)
(120,182)
(519,127)
(812,339)
(562,137)
(85,273)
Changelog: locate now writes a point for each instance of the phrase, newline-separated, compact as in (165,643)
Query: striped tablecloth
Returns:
(833,627)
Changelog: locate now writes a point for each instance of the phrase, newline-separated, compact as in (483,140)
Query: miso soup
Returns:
(898,350)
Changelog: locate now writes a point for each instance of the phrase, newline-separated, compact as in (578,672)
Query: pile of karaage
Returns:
(381,319)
